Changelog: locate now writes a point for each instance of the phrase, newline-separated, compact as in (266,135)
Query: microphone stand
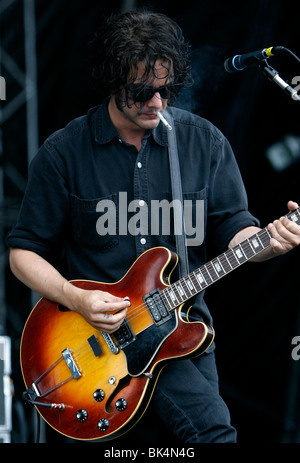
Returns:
(291,425)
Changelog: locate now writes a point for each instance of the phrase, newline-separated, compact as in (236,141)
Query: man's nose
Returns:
(155,101)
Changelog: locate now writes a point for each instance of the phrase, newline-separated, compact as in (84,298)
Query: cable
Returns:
(28,400)
(291,53)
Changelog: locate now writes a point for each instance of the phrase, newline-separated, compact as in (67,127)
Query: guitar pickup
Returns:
(124,335)
(94,345)
(156,307)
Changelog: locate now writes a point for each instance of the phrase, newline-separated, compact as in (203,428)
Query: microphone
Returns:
(240,62)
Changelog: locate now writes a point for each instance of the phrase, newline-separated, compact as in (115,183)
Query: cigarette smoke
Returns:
(208,75)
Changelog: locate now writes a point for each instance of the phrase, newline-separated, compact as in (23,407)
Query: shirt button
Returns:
(141,202)
(139,164)
(143,240)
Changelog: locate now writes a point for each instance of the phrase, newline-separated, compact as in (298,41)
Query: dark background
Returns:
(256,308)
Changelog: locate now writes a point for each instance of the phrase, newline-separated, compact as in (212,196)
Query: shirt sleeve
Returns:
(228,204)
(44,212)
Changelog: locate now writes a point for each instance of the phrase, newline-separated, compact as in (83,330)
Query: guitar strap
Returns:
(179,228)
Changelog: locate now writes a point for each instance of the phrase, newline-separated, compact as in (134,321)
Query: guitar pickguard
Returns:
(140,352)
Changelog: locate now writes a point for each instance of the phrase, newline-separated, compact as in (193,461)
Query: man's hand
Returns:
(101,309)
(285,233)
(285,236)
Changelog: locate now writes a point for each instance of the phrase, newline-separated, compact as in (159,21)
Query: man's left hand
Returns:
(285,232)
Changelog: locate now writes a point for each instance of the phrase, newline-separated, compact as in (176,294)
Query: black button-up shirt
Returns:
(87,207)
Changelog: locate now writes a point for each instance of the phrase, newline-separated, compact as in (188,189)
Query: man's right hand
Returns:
(102,310)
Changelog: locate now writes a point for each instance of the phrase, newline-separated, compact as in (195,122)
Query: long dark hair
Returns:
(138,36)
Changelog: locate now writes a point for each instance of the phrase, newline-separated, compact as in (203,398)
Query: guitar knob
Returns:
(121,405)
(103,424)
(99,395)
(82,415)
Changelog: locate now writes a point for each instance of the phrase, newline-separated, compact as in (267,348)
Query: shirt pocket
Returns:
(95,222)
(195,213)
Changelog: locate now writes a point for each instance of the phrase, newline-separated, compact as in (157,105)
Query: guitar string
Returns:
(83,353)
(135,312)
(84,347)
(80,356)
(138,310)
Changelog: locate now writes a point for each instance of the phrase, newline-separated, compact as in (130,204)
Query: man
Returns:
(140,63)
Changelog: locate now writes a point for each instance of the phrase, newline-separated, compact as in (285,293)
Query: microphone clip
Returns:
(274,76)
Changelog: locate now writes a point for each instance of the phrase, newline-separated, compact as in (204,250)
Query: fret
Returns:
(192,284)
(206,275)
(231,258)
(251,246)
(175,293)
(200,279)
(258,237)
(219,269)
(212,272)
(185,287)
(265,236)
(187,290)
(181,290)
(182,286)
(256,244)
(195,282)
(239,254)
(203,276)
(225,263)
(167,298)
(249,252)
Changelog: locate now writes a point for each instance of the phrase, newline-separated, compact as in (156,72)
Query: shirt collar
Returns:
(104,130)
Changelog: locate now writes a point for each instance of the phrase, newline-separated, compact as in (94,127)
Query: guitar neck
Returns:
(198,280)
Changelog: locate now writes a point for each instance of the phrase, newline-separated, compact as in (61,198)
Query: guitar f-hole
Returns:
(124,382)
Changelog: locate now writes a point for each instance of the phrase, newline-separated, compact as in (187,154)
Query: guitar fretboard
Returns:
(196,281)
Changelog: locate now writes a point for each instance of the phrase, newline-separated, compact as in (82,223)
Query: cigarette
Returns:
(164,121)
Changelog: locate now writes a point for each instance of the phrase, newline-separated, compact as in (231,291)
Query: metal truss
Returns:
(21,74)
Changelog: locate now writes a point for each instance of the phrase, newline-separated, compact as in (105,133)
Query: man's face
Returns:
(144,113)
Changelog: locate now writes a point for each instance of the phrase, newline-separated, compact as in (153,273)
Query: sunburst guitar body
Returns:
(90,385)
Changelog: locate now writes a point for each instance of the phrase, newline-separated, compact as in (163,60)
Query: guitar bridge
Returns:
(67,355)
(156,307)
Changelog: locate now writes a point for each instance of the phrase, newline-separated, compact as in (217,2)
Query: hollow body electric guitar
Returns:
(88,384)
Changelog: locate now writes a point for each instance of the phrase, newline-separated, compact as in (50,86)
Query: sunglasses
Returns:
(140,93)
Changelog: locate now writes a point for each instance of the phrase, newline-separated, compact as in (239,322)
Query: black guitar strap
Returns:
(179,228)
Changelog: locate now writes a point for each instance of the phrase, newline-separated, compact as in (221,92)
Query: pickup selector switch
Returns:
(121,405)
